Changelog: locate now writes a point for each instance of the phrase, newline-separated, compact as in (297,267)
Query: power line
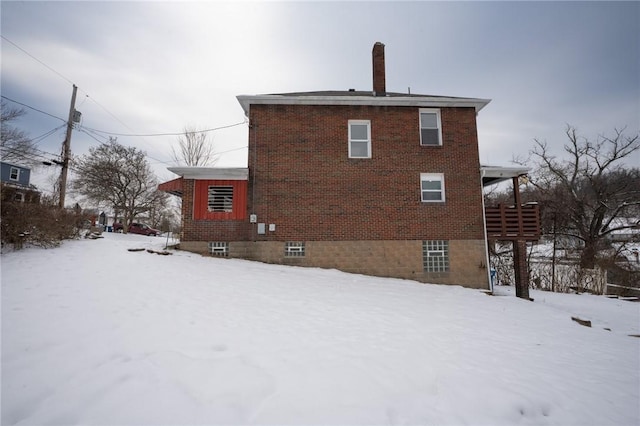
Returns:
(164,134)
(88,133)
(32,149)
(31,156)
(47,134)
(35,109)
(36,59)
(124,134)
(66,79)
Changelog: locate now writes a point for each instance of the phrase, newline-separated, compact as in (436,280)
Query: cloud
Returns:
(154,67)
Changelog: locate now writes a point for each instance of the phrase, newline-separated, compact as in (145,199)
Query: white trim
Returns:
(417,101)
(17,170)
(496,174)
(432,177)
(435,111)
(367,141)
(212,173)
(506,172)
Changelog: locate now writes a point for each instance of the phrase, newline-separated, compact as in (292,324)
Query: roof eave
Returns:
(415,101)
(496,174)
(212,173)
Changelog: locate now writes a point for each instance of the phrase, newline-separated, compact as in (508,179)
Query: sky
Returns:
(147,68)
(203,341)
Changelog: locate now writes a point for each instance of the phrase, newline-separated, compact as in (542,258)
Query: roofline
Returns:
(495,174)
(15,165)
(218,173)
(413,101)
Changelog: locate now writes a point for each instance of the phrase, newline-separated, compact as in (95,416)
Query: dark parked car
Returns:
(137,228)
(141,228)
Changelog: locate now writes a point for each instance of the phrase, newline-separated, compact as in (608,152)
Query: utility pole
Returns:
(66,149)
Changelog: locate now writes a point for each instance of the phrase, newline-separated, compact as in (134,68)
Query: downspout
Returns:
(254,126)
(484,230)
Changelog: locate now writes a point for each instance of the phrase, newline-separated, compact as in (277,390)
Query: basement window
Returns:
(430,127)
(220,199)
(217,248)
(435,255)
(359,139)
(294,249)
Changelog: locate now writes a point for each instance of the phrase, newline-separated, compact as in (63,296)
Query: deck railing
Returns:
(511,223)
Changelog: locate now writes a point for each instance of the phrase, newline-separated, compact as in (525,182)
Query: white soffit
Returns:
(216,173)
(503,172)
(413,101)
(495,174)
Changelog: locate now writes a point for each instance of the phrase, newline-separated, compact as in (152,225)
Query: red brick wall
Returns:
(306,185)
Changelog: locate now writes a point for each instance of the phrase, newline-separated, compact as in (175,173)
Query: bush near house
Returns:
(38,224)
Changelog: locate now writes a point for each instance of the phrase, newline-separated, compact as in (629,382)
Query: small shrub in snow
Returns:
(41,225)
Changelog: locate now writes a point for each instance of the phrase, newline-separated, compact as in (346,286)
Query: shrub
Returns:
(38,224)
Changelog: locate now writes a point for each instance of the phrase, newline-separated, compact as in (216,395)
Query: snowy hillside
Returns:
(95,334)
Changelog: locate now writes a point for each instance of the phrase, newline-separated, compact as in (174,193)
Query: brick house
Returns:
(371,182)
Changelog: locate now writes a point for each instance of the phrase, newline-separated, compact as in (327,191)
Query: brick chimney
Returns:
(379,84)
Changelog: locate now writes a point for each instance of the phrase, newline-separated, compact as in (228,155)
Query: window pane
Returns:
(431,184)
(429,119)
(431,196)
(359,132)
(359,149)
(430,137)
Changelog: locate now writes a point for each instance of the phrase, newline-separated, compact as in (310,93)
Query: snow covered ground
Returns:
(95,334)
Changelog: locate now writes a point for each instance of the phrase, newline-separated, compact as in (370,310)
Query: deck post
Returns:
(520,268)
(520,249)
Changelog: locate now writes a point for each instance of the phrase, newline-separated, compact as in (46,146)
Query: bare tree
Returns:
(119,176)
(588,192)
(158,211)
(15,145)
(195,149)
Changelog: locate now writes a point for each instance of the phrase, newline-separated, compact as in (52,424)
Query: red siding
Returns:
(239,209)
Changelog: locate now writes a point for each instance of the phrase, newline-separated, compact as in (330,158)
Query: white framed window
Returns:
(294,249)
(14,173)
(217,248)
(19,196)
(220,199)
(432,187)
(359,139)
(430,127)
(435,255)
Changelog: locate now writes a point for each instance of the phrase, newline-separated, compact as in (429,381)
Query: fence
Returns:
(568,275)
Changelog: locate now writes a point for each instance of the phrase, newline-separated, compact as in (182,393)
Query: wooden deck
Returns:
(509,223)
